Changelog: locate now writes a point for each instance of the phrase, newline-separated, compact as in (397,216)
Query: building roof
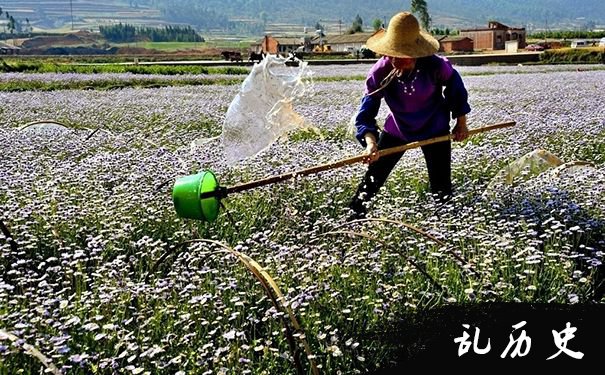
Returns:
(493,25)
(348,38)
(7,46)
(328,39)
(289,40)
(283,40)
(497,25)
(450,38)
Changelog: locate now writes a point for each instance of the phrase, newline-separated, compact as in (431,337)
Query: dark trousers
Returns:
(438,163)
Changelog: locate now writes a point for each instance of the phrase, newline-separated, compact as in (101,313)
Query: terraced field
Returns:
(55,14)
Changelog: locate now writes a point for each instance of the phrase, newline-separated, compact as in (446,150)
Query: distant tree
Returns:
(589,25)
(319,26)
(420,8)
(568,34)
(128,33)
(12,25)
(356,26)
(264,17)
(438,31)
(377,24)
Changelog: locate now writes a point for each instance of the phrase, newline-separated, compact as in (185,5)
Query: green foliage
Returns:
(567,34)
(192,75)
(439,31)
(129,33)
(420,8)
(337,134)
(15,86)
(573,56)
(49,67)
(578,147)
(377,24)
(357,26)
(118,33)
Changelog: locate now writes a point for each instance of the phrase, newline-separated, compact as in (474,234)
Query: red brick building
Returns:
(449,44)
(277,45)
(495,36)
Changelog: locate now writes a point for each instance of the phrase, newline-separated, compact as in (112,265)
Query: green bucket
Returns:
(186,196)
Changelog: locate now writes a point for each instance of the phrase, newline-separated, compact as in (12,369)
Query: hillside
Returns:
(57,14)
(257,17)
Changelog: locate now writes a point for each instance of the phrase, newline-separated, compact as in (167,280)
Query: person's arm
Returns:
(371,148)
(456,98)
(460,131)
(365,121)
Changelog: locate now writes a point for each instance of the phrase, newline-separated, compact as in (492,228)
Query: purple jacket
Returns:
(419,107)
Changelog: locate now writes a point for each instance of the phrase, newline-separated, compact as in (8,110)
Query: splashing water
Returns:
(263,110)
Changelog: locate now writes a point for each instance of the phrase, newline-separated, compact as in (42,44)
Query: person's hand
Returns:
(371,149)
(460,131)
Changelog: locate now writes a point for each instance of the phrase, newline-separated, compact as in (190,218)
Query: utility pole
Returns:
(546,32)
(71,11)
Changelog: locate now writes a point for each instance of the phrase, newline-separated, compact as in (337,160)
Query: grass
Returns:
(46,67)
(338,133)
(111,84)
(183,75)
(243,45)
(592,55)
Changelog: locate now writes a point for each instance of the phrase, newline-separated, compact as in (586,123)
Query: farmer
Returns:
(410,78)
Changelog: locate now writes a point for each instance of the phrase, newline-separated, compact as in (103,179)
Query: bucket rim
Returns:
(209,206)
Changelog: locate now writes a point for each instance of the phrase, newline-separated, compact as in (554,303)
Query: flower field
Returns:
(99,274)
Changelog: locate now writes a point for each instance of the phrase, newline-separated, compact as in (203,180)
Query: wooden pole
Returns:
(352,160)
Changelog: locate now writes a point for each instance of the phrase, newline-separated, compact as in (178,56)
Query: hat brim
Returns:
(424,45)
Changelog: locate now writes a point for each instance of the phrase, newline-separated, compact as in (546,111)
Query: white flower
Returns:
(229,335)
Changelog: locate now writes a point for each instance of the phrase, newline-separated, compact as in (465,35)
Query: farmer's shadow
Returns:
(437,335)
(446,336)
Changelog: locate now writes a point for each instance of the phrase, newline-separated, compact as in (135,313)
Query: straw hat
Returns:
(403,38)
